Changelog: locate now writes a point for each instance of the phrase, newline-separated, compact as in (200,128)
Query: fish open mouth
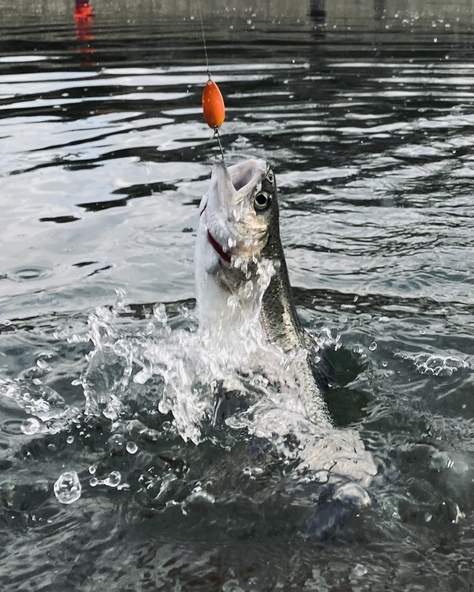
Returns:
(225,185)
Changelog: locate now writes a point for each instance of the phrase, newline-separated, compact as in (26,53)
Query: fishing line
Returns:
(212,101)
(204,42)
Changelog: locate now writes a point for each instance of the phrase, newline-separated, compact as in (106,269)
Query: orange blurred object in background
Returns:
(213,105)
(83,10)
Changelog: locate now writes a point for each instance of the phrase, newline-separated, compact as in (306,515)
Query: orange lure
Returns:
(213,105)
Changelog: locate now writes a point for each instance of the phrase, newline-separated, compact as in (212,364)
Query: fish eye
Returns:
(262,201)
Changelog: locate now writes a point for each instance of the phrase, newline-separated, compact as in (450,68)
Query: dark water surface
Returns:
(367,115)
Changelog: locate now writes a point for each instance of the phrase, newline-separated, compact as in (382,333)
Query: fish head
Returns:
(239,212)
(237,226)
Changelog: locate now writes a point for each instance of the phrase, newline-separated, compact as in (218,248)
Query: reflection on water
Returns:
(365,16)
(84,19)
(171,481)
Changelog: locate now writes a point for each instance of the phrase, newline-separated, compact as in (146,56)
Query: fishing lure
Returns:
(213,105)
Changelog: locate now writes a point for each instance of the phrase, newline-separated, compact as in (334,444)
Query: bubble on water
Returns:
(92,469)
(113,480)
(373,346)
(93,482)
(70,439)
(131,447)
(67,488)
(30,426)
(359,571)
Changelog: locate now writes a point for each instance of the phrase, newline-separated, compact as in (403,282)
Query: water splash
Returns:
(435,364)
(197,380)
(49,412)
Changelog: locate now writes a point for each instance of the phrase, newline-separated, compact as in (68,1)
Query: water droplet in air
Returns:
(159,313)
(30,426)
(67,488)
(131,447)
(113,479)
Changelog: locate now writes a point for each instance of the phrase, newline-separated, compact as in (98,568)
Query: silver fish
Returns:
(241,273)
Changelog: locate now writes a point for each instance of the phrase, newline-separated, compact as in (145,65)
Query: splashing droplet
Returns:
(30,426)
(131,447)
(113,479)
(67,488)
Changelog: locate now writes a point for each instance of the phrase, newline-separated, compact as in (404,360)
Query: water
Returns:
(117,469)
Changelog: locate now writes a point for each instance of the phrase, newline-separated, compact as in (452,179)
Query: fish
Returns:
(244,303)
(241,275)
